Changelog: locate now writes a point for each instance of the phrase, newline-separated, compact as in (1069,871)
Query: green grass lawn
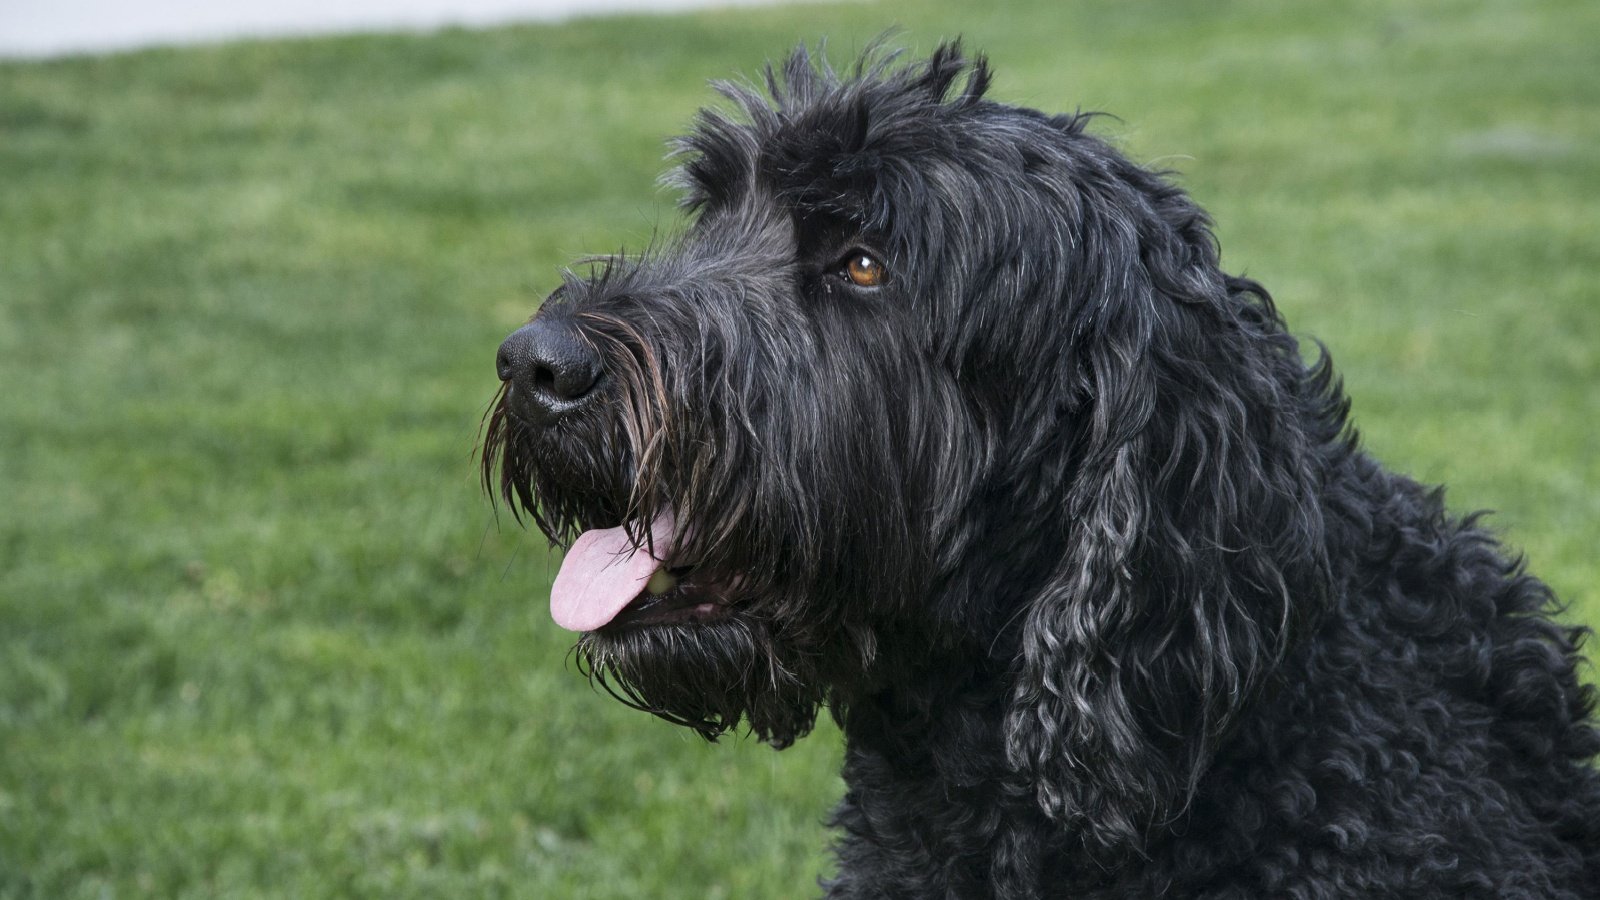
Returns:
(260,633)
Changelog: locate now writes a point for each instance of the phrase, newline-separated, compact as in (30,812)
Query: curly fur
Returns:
(1058,525)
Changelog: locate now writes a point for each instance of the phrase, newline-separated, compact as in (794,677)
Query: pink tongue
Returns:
(602,573)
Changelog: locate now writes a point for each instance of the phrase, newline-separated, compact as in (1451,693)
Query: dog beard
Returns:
(706,676)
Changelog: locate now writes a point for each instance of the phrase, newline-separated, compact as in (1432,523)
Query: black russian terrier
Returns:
(942,414)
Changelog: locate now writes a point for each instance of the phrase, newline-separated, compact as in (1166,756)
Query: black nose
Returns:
(550,368)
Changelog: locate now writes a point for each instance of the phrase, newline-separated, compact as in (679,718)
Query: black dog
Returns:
(941,413)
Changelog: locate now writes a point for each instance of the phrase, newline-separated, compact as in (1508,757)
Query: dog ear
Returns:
(1193,533)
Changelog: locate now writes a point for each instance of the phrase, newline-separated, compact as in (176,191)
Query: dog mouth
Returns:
(618,578)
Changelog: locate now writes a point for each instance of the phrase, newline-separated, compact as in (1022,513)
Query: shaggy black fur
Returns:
(1055,521)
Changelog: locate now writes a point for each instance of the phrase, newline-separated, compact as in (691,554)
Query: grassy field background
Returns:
(261,635)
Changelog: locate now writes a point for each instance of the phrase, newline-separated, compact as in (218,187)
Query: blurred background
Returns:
(261,634)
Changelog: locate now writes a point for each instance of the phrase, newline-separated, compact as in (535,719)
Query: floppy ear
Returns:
(1193,529)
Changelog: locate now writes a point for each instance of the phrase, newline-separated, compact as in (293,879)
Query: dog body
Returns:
(942,414)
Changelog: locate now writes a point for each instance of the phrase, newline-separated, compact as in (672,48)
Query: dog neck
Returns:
(922,766)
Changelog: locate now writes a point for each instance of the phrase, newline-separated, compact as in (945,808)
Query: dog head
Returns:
(925,377)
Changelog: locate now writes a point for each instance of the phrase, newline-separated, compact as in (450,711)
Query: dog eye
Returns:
(864,270)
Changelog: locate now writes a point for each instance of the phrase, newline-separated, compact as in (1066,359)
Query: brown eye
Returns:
(864,270)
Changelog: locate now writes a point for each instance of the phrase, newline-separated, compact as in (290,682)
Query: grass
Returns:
(260,635)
